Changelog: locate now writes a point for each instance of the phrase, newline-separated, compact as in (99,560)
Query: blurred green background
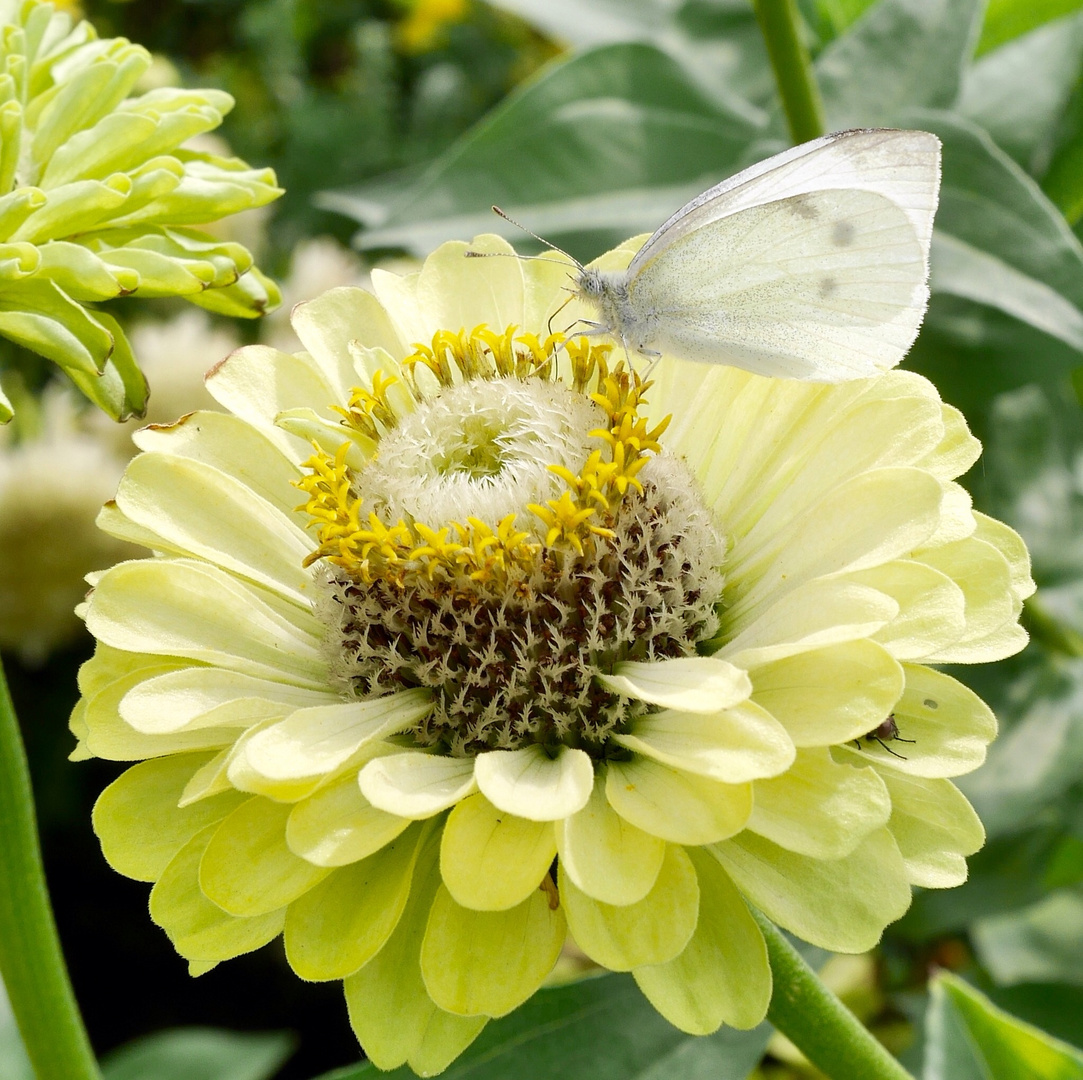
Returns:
(393,125)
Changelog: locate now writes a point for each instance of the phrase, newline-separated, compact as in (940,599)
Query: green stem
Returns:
(816,1022)
(780,25)
(31,962)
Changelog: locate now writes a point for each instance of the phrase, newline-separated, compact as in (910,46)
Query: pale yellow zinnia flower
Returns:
(549,648)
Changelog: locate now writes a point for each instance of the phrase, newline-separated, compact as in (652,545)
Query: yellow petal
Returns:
(486,963)
(232,446)
(257,382)
(491,860)
(317,740)
(822,612)
(533,785)
(337,825)
(935,828)
(932,608)
(247,868)
(696,684)
(830,695)
(652,930)
(137,819)
(189,609)
(951,727)
(390,1010)
(839,904)
(741,744)
(605,856)
(415,784)
(194,509)
(343,922)
(722,976)
(199,929)
(818,807)
(677,806)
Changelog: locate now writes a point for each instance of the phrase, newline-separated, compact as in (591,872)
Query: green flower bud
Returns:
(98,200)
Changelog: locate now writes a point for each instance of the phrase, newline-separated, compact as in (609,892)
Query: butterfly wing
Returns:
(824,285)
(903,166)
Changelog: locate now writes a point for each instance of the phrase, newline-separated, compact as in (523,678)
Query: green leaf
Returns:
(969,1038)
(1041,943)
(1008,19)
(1055,1007)
(838,15)
(1019,92)
(962,270)
(721,42)
(1048,739)
(1012,253)
(989,202)
(1077,383)
(585,23)
(1063,179)
(901,54)
(199,1054)
(602,1028)
(623,122)
(1032,480)
(6,411)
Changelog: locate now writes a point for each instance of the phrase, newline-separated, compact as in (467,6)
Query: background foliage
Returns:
(399,123)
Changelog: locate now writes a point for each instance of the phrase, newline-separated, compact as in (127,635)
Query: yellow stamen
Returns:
(369,548)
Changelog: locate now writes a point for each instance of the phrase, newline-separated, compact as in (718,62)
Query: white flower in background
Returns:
(547,650)
(52,486)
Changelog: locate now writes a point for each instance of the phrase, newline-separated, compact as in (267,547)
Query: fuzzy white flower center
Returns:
(482,449)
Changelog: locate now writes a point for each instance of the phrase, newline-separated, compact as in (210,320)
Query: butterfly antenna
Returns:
(543,242)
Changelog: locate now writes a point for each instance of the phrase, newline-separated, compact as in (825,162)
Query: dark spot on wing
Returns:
(828,288)
(842,235)
(804,207)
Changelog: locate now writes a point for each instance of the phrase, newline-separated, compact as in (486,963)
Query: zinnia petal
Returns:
(606,856)
(416,785)
(677,806)
(694,684)
(722,975)
(740,744)
(533,785)
(652,930)
(491,860)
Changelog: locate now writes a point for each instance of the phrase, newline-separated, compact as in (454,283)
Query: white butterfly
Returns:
(811,265)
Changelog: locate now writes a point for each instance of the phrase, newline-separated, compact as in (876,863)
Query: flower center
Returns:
(482,449)
(513,536)
(478,453)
